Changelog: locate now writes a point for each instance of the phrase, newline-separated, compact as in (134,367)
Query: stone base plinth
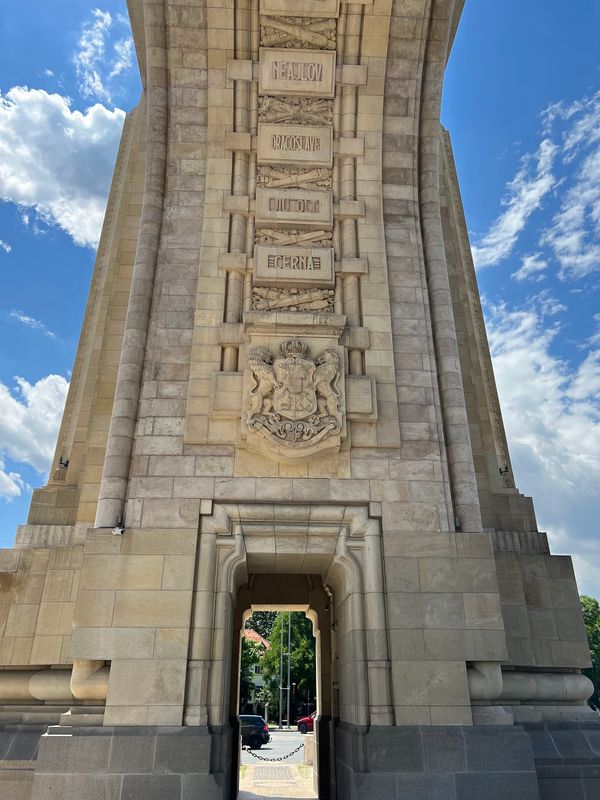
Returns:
(552,761)
(567,757)
(435,763)
(133,763)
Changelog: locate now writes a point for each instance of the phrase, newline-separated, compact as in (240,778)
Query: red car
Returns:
(306,724)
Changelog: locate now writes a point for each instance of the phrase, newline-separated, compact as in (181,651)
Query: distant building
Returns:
(253,703)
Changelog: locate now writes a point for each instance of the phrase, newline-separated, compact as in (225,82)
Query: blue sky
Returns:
(522,104)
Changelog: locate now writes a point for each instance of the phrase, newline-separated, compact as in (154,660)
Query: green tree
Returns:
(251,655)
(302,666)
(262,622)
(591,616)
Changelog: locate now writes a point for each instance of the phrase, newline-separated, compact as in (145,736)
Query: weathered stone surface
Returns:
(285,182)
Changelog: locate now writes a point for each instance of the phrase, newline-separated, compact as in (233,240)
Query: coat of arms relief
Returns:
(295,403)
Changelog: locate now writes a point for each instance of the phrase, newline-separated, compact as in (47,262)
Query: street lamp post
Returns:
(289,665)
(281,677)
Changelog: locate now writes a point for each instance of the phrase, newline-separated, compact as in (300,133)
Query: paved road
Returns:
(282,742)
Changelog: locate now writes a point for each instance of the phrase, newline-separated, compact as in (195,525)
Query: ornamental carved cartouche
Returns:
(295,402)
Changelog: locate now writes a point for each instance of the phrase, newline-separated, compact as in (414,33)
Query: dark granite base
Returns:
(18,754)
(133,764)
(567,757)
(529,762)
(435,763)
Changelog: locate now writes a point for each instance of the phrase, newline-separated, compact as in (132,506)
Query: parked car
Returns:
(307,724)
(254,730)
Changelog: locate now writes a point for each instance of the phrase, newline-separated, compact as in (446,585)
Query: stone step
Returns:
(81,720)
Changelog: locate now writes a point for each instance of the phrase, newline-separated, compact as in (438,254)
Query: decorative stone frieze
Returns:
(295,237)
(317,179)
(293,299)
(298,33)
(295,110)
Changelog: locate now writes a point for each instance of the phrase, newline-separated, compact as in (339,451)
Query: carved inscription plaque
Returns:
(296,207)
(295,144)
(293,266)
(306,72)
(302,8)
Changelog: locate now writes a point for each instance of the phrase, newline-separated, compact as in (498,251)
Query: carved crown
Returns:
(293,347)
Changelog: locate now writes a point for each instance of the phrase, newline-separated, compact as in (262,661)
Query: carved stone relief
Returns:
(292,299)
(294,237)
(295,403)
(295,110)
(317,179)
(303,33)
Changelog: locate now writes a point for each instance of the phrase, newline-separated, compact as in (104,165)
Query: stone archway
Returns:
(304,593)
(332,548)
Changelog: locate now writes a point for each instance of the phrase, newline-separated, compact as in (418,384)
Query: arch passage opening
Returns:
(281,700)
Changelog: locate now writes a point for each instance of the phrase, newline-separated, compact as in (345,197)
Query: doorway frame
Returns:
(342,544)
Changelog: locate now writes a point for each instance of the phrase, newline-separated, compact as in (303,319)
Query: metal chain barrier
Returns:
(281,758)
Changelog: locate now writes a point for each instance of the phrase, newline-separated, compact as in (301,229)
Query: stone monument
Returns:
(283,398)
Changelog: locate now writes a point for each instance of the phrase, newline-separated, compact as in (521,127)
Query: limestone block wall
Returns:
(38,589)
(188,355)
(134,610)
(72,492)
(502,506)
(540,602)
(541,610)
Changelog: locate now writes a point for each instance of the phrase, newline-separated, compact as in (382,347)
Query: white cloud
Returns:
(31,322)
(575,229)
(5,246)
(547,304)
(552,417)
(90,55)
(96,62)
(567,164)
(11,483)
(531,266)
(525,193)
(123,59)
(48,73)
(595,337)
(58,161)
(29,420)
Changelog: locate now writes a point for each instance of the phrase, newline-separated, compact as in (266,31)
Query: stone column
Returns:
(456,427)
(113,488)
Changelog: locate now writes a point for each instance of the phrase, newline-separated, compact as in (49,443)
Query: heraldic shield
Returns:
(296,396)
(294,403)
